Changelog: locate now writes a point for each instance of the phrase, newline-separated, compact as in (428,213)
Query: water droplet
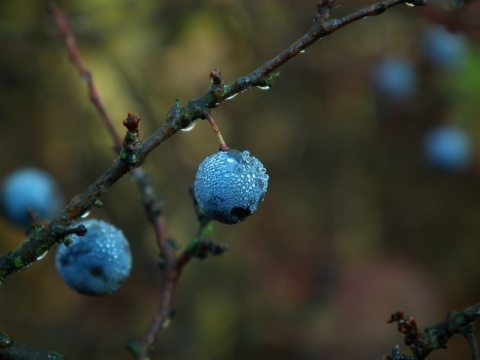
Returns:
(266,87)
(85,214)
(190,127)
(410,4)
(302,51)
(41,256)
(25,267)
(5,341)
(55,355)
(231,97)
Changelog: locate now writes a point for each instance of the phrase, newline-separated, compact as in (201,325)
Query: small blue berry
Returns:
(97,263)
(229,185)
(448,148)
(442,48)
(395,77)
(29,189)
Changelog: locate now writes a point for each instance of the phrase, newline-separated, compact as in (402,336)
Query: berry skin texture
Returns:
(448,148)
(29,188)
(97,263)
(229,185)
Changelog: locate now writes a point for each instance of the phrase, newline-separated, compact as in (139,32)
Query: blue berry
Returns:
(442,48)
(29,189)
(395,78)
(448,148)
(97,263)
(230,185)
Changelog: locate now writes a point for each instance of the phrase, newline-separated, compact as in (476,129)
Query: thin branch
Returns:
(172,267)
(14,349)
(434,337)
(86,76)
(216,130)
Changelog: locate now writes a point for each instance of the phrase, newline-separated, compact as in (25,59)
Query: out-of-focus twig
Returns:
(85,74)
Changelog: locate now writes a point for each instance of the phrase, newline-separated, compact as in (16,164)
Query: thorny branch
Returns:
(132,152)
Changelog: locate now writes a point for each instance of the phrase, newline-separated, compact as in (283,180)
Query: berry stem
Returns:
(216,130)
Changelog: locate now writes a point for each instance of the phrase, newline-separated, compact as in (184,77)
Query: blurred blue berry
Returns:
(230,185)
(395,78)
(442,48)
(97,263)
(29,188)
(448,148)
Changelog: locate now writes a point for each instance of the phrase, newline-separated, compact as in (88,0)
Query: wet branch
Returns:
(14,349)
(434,337)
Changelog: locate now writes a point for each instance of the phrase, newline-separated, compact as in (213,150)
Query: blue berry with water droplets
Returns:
(97,263)
(230,185)
(29,189)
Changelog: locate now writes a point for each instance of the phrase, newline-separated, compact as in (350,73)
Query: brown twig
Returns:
(86,76)
(216,130)
(14,349)
(172,267)
(434,337)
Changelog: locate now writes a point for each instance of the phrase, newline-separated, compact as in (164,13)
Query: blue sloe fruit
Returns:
(97,263)
(442,48)
(229,185)
(448,148)
(29,189)
(395,77)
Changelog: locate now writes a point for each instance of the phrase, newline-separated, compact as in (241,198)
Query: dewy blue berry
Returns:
(97,263)
(29,189)
(229,185)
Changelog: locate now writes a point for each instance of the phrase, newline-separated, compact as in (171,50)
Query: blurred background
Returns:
(370,138)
